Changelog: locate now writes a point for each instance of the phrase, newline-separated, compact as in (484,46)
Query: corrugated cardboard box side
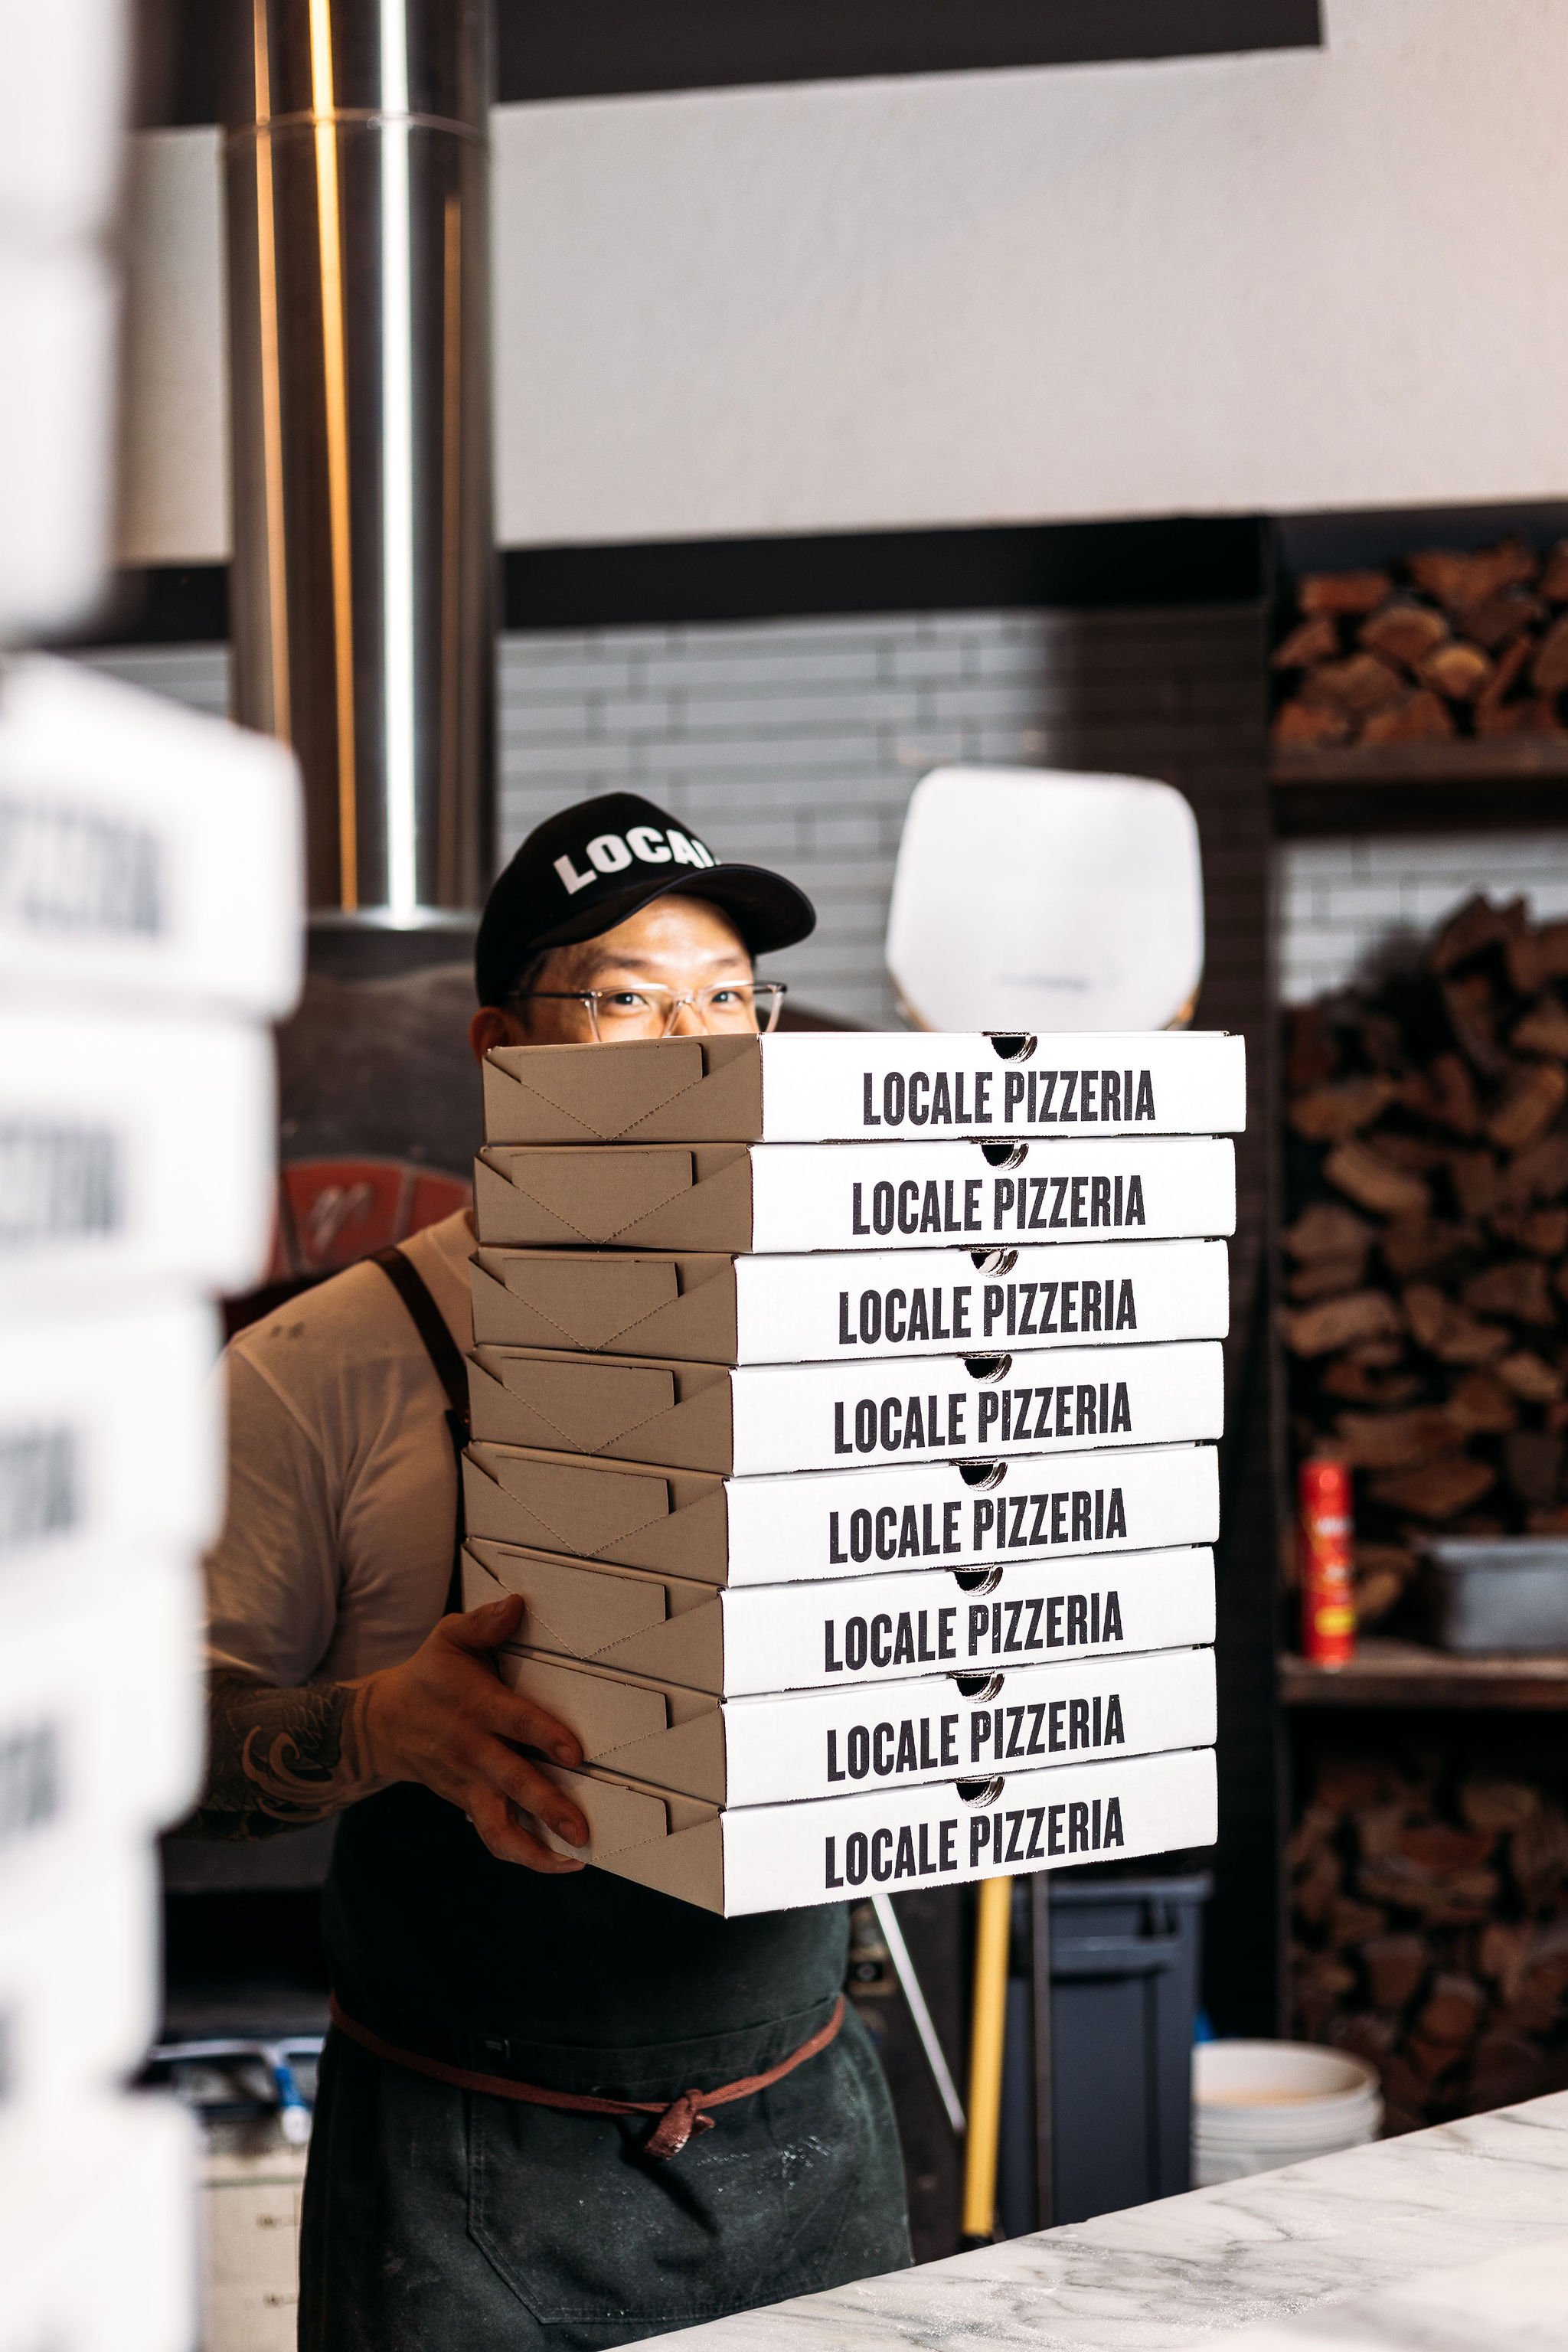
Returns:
(774,1748)
(851,1196)
(777,1637)
(835,1523)
(832,1848)
(865,1087)
(706,1307)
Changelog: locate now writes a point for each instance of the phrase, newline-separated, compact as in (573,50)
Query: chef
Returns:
(504,2153)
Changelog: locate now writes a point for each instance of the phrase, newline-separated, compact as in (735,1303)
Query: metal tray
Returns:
(1489,1595)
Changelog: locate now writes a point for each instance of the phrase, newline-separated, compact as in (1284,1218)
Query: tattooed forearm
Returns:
(281,1759)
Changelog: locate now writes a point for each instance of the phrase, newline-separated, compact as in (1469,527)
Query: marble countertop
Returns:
(1340,2252)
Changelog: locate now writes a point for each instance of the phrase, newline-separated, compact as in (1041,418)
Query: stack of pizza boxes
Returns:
(149,928)
(844,1411)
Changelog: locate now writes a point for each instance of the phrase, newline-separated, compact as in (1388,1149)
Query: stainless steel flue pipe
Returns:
(357,170)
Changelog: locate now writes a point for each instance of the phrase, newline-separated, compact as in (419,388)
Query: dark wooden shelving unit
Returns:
(1457,784)
(1385,1672)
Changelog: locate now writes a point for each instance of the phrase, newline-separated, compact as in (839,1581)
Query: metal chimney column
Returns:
(357,169)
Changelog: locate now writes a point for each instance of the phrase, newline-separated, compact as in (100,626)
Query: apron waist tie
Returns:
(679,2119)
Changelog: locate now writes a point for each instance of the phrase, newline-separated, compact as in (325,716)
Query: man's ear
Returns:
(490,1027)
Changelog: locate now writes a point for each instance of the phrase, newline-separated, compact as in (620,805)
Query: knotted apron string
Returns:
(679,2119)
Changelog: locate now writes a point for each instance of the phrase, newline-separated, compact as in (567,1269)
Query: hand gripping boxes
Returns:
(849,1484)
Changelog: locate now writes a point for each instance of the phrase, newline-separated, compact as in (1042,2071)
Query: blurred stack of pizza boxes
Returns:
(844,1408)
(149,928)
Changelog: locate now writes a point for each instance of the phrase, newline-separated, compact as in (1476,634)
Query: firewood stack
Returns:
(1429,1925)
(1425,1270)
(1443,645)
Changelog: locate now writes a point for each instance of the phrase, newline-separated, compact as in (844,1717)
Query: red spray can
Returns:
(1326,1553)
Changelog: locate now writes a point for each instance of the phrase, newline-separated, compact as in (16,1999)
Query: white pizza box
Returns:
(781,1637)
(705,1307)
(79,1979)
(746,1858)
(144,847)
(132,1150)
(62,113)
(860,1086)
(851,1196)
(97,2245)
(765,1419)
(101,1720)
(823,1743)
(835,1523)
(110,1430)
(57,420)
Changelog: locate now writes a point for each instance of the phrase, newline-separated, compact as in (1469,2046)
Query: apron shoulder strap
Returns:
(431,1325)
(446,1358)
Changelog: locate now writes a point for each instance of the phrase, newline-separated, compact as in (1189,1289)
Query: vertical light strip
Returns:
(272,388)
(448,872)
(397,466)
(323,107)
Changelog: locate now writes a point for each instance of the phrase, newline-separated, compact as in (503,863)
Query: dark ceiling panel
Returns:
(564,48)
(599,48)
(1078,566)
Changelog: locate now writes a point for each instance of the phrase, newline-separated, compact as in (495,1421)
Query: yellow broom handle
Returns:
(987,2034)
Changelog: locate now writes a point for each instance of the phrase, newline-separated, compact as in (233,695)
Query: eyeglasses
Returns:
(650,1010)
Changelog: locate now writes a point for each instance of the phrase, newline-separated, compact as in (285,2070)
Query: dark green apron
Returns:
(438,2217)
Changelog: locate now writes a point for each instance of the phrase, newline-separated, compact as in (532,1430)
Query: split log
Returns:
(1456,579)
(1310,726)
(1374,1182)
(1482,1406)
(1452,2012)
(1317,1829)
(1493,713)
(1497,1804)
(1354,1380)
(1473,1017)
(1416,1245)
(1439,1491)
(1529,1376)
(1530,1101)
(1477,1181)
(1396,1440)
(1438,1846)
(1554,574)
(1447,1331)
(1549,670)
(1535,957)
(1445,1094)
(1328,1230)
(1351,1923)
(1517,1288)
(1544,1028)
(1315,639)
(1402,631)
(1419,717)
(1336,1323)
(1376,1593)
(1479,923)
(1457,669)
(1326,1277)
(1501,620)
(1356,685)
(1459,1898)
(1543,1231)
(1538,1857)
(1537,1173)
(1343,592)
(1324,1114)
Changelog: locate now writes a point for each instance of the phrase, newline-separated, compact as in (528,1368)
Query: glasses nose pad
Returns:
(696,1023)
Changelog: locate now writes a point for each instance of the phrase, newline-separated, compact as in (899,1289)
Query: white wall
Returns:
(1274,282)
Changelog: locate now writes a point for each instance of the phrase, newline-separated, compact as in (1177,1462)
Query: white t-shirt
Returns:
(342,1492)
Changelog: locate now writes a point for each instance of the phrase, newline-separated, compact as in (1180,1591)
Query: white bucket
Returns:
(1259,2105)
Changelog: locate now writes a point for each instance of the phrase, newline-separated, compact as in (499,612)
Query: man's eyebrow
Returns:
(653,964)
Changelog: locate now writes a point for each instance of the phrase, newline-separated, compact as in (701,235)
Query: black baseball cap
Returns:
(586,869)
